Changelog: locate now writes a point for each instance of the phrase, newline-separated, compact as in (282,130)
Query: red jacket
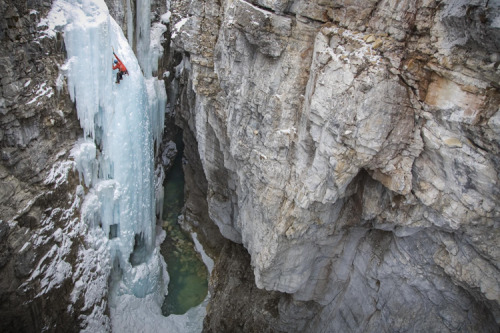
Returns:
(119,65)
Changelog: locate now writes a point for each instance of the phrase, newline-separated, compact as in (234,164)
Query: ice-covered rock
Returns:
(122,122)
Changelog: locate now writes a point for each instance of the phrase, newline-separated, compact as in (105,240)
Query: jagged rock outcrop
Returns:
(352,148)
(239,294)
(38,203)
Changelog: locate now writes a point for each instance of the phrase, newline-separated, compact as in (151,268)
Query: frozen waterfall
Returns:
(117,120)
(115,158)
(121,124)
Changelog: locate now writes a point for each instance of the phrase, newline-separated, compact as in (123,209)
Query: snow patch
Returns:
(365,52)
(165,18)
(178,25)
(97,321)
(92,270)
(42,91)
(143,315)
(204,256)
(290,130)
(53,268)
(58,175)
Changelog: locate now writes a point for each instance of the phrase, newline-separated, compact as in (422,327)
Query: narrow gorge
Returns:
(341,163)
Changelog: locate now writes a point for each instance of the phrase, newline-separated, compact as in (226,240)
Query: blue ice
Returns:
(120,124)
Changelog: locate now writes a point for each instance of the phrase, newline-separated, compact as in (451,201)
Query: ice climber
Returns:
(118,64)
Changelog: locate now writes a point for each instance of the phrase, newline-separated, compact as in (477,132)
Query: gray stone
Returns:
(4,230)
(11,89)
(261,28)
(24,263)
(352,172)
(168,154)
(31,145)
(5,254)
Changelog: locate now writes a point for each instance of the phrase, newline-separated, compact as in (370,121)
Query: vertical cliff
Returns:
(38,127)
(352,148)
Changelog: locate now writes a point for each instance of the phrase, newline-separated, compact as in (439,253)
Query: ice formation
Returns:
(118,119)
(121,123)
(140,315)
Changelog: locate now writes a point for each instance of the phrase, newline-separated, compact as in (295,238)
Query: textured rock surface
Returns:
(38,199)
(352,148)
(233,271)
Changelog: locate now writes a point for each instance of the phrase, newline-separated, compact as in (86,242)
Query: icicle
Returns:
(155,47)
(142,33)
(130,24)
(84,154)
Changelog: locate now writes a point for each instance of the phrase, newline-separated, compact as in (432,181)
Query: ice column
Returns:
(117,119)
(130,24)
(142,33)
(149,50)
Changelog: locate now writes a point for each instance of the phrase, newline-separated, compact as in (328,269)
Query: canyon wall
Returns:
(352,147)
(38,201)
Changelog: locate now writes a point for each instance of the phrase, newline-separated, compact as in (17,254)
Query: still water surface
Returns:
(188,285)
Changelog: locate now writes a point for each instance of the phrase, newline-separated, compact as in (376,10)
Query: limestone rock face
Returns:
(352,147)
(262,29)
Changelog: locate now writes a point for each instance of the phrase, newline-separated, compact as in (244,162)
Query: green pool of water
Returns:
(188,285)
